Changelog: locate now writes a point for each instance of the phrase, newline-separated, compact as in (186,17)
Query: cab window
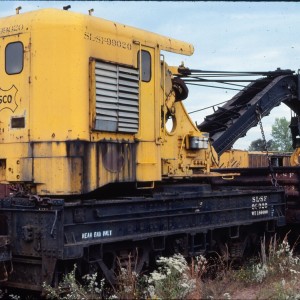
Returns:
(14,58)
(146,65)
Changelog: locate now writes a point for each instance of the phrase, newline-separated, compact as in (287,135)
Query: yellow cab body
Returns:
(82,104)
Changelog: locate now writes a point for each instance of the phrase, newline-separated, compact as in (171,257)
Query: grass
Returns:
(274,274)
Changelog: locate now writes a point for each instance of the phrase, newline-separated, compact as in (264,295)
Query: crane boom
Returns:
(232,120)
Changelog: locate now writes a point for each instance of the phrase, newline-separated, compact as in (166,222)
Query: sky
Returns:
(227,36)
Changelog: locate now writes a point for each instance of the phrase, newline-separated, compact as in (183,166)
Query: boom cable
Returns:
(208,107)
(200,77)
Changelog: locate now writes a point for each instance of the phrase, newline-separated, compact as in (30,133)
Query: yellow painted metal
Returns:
(58,151)
(148,153)
(294,160)
(234,159)
(179,157)
(15,86)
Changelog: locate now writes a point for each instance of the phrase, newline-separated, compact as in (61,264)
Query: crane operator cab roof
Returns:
(55,18)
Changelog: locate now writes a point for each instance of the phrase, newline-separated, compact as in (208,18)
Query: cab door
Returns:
(15,85)
(148,160)
(14,88)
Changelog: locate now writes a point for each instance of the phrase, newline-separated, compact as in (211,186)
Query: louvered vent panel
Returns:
(117,98)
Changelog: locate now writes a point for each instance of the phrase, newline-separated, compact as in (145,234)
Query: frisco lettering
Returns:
(96,234)
(6,99)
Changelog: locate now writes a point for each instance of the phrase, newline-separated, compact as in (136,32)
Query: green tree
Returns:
(259,145)
(282,137)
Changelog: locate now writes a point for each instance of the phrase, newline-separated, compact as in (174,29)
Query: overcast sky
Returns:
(239,36)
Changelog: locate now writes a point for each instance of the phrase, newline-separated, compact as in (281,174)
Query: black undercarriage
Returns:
(43,237)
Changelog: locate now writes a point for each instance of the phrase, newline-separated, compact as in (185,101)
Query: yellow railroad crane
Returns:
(102,159)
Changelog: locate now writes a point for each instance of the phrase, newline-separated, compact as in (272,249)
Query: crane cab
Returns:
(84,102)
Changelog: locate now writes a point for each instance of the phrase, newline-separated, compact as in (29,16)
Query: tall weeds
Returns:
(274,274)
